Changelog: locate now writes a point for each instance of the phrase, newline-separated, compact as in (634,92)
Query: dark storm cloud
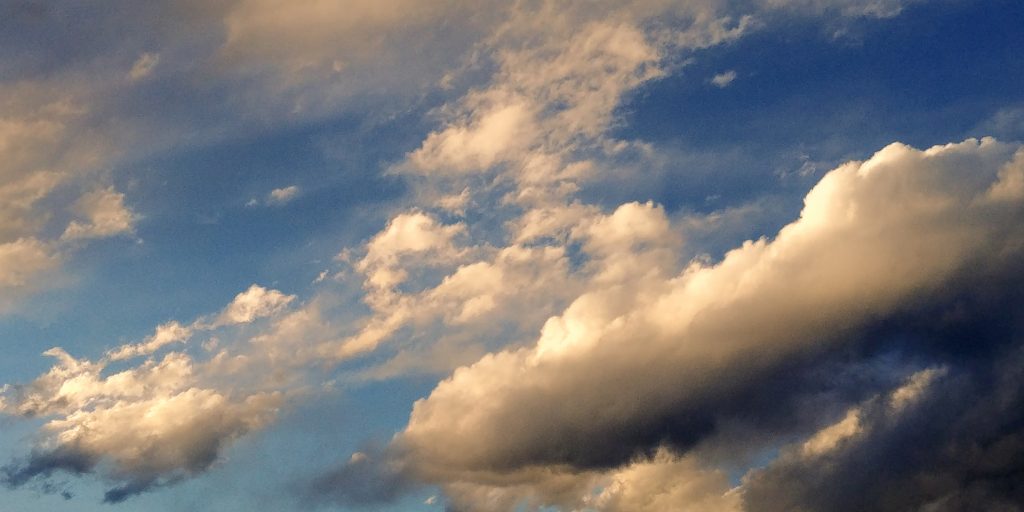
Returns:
(962,448)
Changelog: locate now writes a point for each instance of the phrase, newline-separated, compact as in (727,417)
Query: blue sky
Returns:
(643,255)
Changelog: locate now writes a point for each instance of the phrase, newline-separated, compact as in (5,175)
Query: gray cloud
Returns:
(959,449)
(370,477)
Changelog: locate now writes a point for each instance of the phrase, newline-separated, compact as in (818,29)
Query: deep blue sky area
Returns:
(925,77)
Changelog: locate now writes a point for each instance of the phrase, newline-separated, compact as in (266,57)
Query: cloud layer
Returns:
(865,356)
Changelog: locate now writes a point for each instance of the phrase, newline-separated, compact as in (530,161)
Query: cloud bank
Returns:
(676,360)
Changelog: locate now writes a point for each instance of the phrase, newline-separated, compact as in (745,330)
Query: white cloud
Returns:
(161,419)
(283,195)
(256,302)
(413,236)
(546,98)
(550,101)
(171,332)
(722,80)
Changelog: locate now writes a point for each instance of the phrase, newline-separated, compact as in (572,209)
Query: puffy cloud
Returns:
(531,130)
(648,360)
(147,441)
(664,359)
(159,420)
(283,195)
(413,232)
(663,482)
(409,236)
(545,115)
(480,143)
(474,288)
(256,302)
(666,483)
(722,80)
(542,97)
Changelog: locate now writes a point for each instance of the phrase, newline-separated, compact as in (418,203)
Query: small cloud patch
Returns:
(144,66)
(722,80)
(283,195)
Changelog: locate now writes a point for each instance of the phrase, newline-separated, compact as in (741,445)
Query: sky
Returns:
(601,256)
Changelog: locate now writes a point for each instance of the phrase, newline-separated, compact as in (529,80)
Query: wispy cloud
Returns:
(144,66)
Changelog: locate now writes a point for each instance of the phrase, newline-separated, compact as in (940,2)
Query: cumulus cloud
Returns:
(410,235)
(527,140)
(879,239)
(655,360)
(160,420)
(511,120)
(256,302)
(283,195)
(647,370)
